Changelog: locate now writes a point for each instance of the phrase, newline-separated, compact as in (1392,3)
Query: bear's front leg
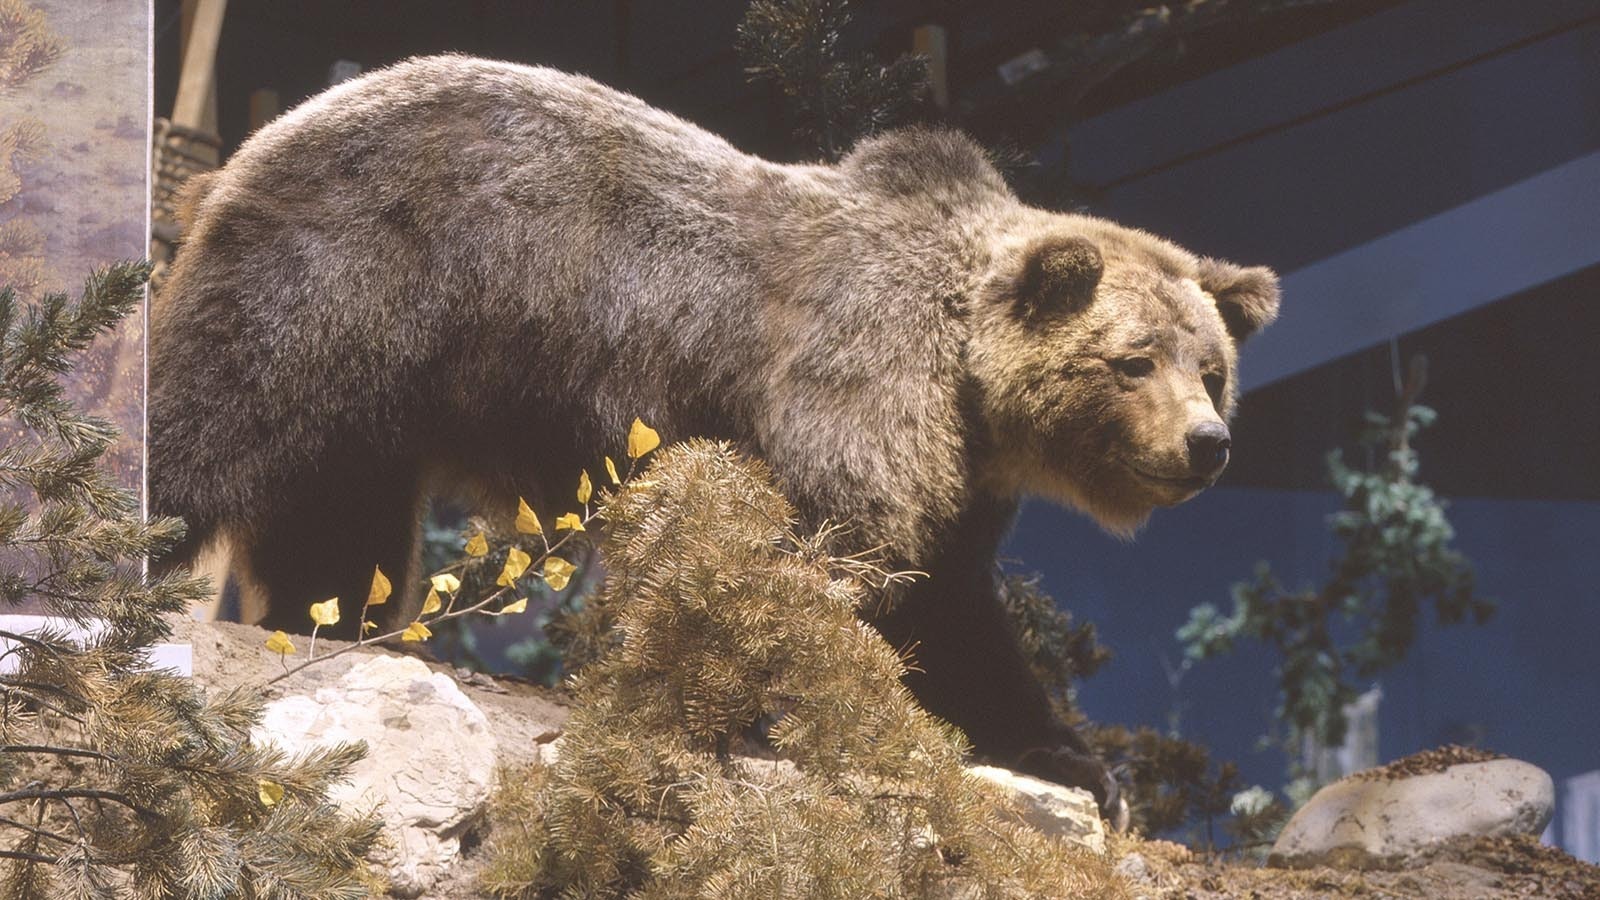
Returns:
(968,669)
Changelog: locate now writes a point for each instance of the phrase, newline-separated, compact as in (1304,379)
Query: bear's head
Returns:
(1105,365)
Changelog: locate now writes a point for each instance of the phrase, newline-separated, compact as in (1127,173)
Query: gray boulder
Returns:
(1064,812)
(1381,819)
(430,759)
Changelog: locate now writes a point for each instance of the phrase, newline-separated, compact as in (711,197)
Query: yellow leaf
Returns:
(326,612)
(447,583)
(527,522)
(584,488)
(368,626)
(416,631)
(270,792)
(641,439)
(611,469)
(569,521)
(521,605)
(431,604)
(378,594)
(477,545)
(557,572)
(516,564)
(279,643)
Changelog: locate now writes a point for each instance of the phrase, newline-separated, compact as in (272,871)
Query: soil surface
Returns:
(1468,869)
(523,716)
(1427,762)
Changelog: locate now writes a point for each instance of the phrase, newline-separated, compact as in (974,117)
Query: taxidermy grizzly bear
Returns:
(457,273)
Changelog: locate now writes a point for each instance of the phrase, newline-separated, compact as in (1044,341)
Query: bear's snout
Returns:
(1208,448)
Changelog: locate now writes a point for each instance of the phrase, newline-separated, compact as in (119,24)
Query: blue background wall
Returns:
(1528,682)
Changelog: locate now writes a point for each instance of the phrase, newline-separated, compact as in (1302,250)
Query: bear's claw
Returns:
(1074,768)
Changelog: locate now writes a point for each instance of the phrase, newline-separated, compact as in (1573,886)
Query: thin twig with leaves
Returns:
(556,571)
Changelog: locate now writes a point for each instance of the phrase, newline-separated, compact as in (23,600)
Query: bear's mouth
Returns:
(1185,483)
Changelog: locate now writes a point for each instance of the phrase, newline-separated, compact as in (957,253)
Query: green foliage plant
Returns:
(1396,559)
(1169,783)
(721,618)
(118,780)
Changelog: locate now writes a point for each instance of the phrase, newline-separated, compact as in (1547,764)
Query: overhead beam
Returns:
(197,80)
(1310,77)
(1500,244)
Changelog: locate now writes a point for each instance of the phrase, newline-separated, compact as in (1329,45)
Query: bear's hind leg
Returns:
(344,523)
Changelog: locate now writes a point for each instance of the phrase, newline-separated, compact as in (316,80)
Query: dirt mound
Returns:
(1436,760)
(1465,869)
(1522,856)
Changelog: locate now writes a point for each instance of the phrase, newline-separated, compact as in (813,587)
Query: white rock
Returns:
(430,759)
(1377,821)
(1135,867)
(1065,812)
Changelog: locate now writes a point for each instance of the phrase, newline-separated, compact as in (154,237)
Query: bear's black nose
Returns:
(1208,448)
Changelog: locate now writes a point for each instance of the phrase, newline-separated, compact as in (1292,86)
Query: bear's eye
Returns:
(1214,384)
(1134,366)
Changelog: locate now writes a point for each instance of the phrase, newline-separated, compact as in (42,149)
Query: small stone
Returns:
(430,759)
(1065,812)
(1371,822)
(1135,867)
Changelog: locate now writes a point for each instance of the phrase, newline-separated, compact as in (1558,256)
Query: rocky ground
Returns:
(522,717)
(1498,867)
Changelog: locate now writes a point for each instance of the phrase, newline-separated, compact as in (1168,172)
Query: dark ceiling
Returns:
(679,55)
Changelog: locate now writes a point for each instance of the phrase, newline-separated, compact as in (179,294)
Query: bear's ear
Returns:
(1061,273)
(1246,297)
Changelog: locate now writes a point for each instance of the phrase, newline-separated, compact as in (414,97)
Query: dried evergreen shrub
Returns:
(20,142)
(116,780)
(722,617)
(27,48)
(21,255)
(27,45)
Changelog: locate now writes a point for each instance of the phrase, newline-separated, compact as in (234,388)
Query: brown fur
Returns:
(460,271)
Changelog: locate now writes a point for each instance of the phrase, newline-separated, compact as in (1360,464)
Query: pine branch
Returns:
(56,751)
(835,98)
(173,802)
(78,793)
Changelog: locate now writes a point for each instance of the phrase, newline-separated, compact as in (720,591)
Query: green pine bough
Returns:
(117,780)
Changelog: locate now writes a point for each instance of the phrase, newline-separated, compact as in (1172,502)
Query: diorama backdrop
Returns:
(74,195)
